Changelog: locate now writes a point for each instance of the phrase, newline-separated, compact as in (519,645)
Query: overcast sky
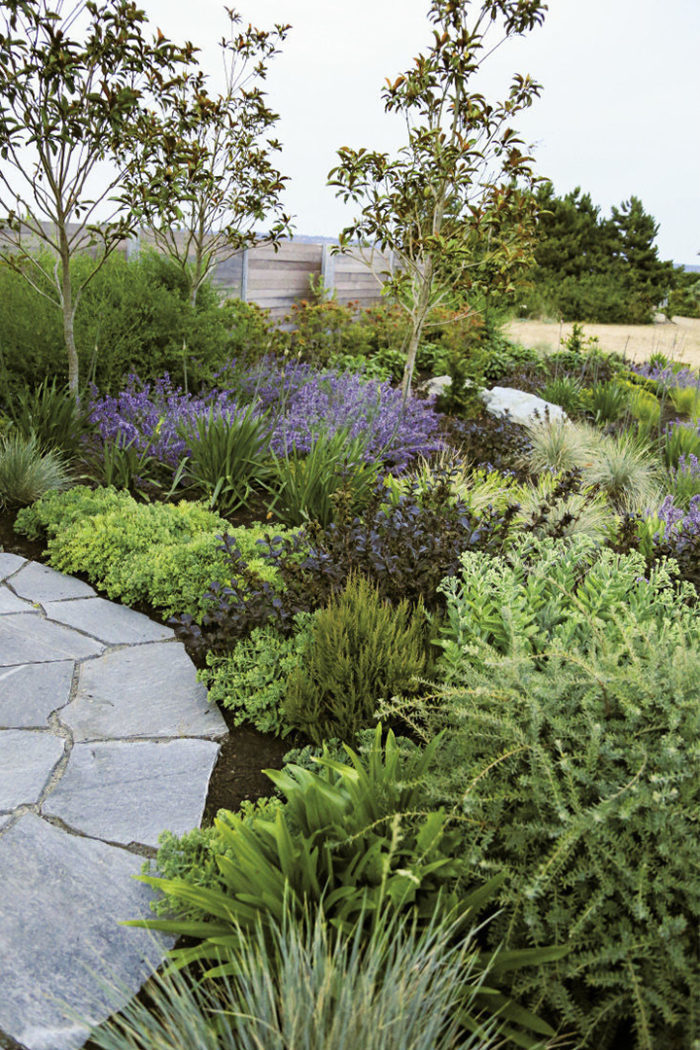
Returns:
(619,112)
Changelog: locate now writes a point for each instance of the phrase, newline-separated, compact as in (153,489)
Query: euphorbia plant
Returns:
(454,208)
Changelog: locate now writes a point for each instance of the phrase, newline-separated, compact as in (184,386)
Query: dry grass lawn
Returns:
(679,339)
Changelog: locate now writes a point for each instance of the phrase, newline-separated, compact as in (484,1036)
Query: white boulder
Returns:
(521,406)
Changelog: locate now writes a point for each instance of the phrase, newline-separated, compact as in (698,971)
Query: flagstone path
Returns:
(106,739)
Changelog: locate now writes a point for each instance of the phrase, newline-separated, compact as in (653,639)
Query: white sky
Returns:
(619,112)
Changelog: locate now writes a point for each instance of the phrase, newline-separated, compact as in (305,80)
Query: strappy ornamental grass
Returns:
(302,986)
(27,472)
(306,485)
(227,457)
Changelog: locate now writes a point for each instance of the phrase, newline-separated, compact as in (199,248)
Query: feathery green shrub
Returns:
(570,753)
(359,648)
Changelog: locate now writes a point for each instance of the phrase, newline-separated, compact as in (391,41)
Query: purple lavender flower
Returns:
(299,401)
(668,377)
(148,416)
(679,528)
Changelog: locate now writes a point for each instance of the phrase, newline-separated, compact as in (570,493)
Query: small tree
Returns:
(455,206)
(77,109)
(228,185)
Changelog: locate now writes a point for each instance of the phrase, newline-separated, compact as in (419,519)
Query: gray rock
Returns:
(10,603)
(60,939)
(30,692)
(26,762)
(146,691)
(39,583)
(131,791)
(9,563)
(521,406)
(437,385)
(27,638)
(111,623)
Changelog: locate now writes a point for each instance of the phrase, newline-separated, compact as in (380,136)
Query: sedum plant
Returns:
(250,680)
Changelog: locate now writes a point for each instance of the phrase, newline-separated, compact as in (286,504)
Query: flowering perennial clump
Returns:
(298,402)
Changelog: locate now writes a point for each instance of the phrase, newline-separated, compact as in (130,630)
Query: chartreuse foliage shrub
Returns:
(348,842)
(571,719)
(164,554)
(304,986)
(358,649)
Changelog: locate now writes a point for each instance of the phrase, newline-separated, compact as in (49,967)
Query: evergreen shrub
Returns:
(359,648)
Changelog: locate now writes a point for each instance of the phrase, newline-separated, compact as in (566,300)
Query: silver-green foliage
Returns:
(550,595)
(27,472)
(571,754)
(250,681)
(297,986)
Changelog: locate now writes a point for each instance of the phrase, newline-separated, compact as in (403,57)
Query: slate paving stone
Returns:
(145,691)
(10,603)
(26,762)
(111,623)
(40,583)
(30,692)
(28,638)
(62,894)
(9,563)
(61,903)
(131,791)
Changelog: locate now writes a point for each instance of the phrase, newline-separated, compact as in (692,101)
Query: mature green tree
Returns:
(454,206)
(572,238)
(80,94)
(594,268)
(227,184)
(644,276)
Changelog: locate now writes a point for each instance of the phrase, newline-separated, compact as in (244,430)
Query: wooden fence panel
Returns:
(276,280)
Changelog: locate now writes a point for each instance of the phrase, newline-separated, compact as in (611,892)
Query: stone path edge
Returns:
(95,743)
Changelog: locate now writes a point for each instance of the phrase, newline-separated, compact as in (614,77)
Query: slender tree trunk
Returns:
(68,308)
(418,317)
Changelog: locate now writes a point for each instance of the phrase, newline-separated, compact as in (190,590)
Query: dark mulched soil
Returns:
(245,752)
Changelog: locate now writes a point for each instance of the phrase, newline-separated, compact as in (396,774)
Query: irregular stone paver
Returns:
(27,638)
(114,624)
(102,793)
(39,583)
(30,692)
(9,563)
(26,762)
(61,903)
(10,603)
(145,691)
(62,893)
